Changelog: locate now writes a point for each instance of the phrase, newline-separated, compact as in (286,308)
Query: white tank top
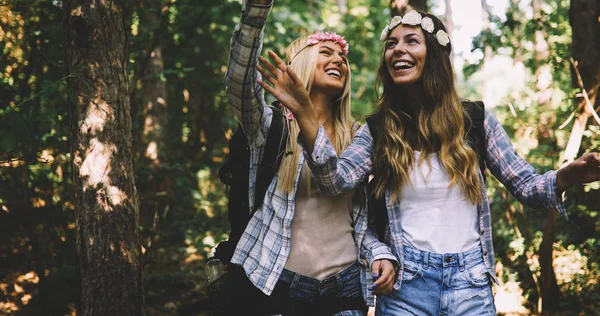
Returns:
(436,218)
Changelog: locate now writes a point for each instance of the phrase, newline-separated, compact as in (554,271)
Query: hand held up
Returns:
(584,169)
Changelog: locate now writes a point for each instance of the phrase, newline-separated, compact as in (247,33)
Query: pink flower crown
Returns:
(328,36)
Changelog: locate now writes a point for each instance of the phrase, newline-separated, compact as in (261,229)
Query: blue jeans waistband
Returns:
(335,281)
(467,259)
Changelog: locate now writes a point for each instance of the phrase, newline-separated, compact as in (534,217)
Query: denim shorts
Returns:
(445,285)
(308,296)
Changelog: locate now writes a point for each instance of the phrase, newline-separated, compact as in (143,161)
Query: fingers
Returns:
(267,87)
(295,79)
(272,69)
(384,275)
(278,61)
(593,158)
(267,75)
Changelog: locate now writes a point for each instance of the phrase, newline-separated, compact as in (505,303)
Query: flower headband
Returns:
(319,36)
(414,18)
(328,36)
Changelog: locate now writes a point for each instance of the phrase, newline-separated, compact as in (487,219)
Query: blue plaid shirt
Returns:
(335,175)
(264,248)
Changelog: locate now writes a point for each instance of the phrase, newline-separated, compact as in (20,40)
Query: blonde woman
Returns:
(439,217)
(301,251)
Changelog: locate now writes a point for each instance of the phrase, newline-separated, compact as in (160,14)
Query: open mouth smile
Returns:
(336,73)
(402,65)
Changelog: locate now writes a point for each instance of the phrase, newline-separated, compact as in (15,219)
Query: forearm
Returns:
(334,174)
(309,130)
(517,175)
(372,249)
(243,93)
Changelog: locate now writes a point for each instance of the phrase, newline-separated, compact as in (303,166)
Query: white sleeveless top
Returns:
(322,242)
(436,218)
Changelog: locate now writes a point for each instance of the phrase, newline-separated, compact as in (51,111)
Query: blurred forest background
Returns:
(519,59)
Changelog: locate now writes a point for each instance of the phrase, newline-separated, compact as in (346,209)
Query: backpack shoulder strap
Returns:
(271,159)
(377,213)
(371,122)
(476,131)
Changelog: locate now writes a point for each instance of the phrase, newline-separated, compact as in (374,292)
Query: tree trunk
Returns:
(486,80)
(520,72)
(583,15)
(153,90)
(108,246)
(399,7)
(546,140)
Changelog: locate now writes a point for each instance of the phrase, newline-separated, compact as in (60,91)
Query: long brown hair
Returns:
(438,126)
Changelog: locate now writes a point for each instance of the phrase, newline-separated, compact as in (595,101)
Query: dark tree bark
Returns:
(153,90)
(399,7)
(108,246)
(583,15)
(550,291)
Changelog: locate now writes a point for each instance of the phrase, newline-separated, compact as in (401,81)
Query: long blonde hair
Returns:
(438,126)
(302,59)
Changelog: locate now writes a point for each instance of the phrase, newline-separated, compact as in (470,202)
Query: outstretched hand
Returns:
(289,89)
(285,86)
(584,169)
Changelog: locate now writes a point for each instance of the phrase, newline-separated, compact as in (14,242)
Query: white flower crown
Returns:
(414,18)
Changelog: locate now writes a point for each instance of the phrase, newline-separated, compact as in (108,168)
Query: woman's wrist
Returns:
(561,180)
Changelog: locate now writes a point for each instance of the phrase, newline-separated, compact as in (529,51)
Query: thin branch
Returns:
(44,90)
(567,121)
(587,103)
(39,160)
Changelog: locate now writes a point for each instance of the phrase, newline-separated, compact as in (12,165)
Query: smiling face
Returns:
(331,70)
(405,52)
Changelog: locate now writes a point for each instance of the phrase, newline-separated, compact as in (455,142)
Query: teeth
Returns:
(334,72)
(405,64)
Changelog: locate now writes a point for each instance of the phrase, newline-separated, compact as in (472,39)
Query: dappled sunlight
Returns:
(17,291)
(508,296)
(509,299)
(568,264)
(98,113)
(8,307)
(96,169)
(30,277)
(152,151)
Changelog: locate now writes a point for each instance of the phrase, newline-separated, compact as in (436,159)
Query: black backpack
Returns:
(378,214)
(234,173)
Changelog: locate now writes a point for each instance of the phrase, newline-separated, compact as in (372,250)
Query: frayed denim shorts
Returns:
(440,284)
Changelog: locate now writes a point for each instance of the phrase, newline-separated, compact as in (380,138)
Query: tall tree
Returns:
(583,15)
(399,7)
(486,87)
(547,141)
(150,73)
(108,246)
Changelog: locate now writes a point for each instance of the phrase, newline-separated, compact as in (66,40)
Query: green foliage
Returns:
(182,203)
(518,230)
